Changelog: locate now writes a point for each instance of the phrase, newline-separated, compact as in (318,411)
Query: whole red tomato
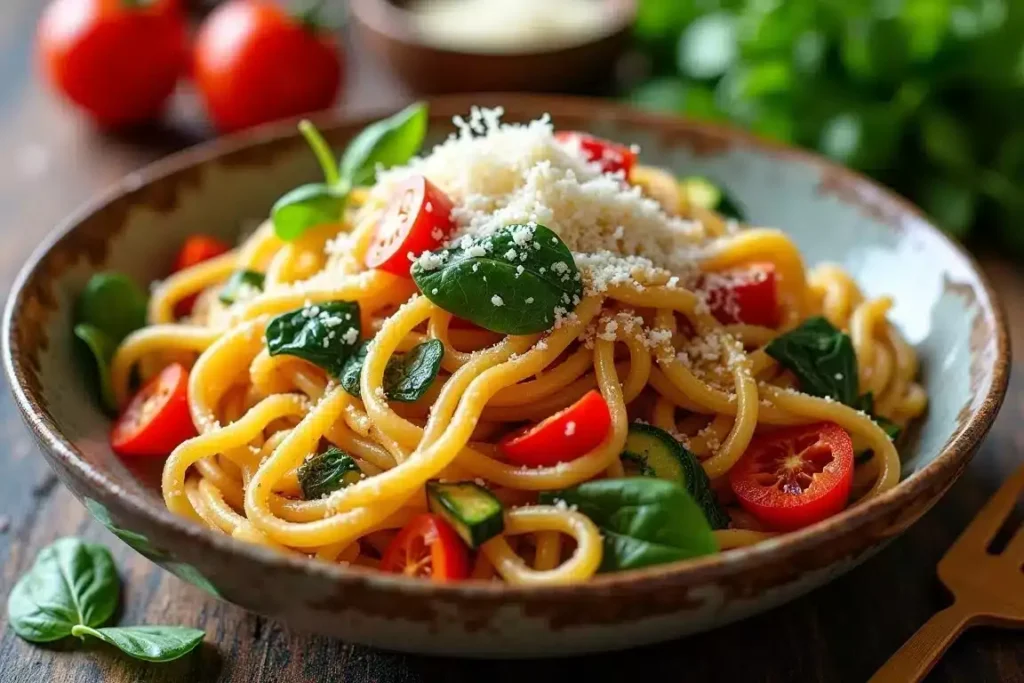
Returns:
(117,59)
(254,62)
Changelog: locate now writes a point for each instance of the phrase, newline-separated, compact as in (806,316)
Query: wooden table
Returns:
(53,161)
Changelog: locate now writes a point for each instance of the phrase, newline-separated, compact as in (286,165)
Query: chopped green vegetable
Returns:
(821,357)
(327,472)
(112,303)
(324,334)
(707,195)
(239,281)
(407,377)
(658,454)
(473,511)
(101,350)
(643,521)
(512,282)
(388,142)
(305,207)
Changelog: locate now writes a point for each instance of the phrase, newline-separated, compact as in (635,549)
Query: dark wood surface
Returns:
(52,161)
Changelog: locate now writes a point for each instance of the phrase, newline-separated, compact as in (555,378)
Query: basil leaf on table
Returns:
(407,377)
(821,357)
(324,334)
(511,282)
(240,281)
(149,643)
(643,521)
(72,583)
(327,472)
(388,142)
(305,207)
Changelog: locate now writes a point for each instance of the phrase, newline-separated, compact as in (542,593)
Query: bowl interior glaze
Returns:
(941,303)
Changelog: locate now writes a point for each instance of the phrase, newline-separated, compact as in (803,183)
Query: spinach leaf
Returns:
(406,377)
(112,303)
(511,282)
(240,281)
(643,521)
(324,334)
(149,643)
(326,472)
(389,142)
(71,583)
(305,207)
(821,357)
(100,348)
(888,426)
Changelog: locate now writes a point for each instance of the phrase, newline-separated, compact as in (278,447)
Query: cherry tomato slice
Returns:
(418,219)
(157,418)
(795,477)
(566,435)
(427,547)
(610,156)
(744,295)
(196,249)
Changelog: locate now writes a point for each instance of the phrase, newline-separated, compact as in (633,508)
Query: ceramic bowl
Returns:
(944,306)
(387,30)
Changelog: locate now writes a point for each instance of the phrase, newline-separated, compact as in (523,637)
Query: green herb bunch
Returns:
(924,95)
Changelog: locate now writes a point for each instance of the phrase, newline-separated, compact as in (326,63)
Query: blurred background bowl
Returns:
(389,29)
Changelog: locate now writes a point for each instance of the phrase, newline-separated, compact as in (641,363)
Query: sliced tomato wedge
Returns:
(417,219)
(565,436)
(744,295)
(795,477)
(427,547)
(196,249)
(610,156)
(157,418)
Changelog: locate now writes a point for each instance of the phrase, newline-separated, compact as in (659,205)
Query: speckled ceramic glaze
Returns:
(943,305)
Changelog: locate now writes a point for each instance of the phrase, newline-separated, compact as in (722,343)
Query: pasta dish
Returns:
(522,355)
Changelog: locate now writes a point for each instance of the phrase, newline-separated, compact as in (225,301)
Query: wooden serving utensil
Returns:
(987,589)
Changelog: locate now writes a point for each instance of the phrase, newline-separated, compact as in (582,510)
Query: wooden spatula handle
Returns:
(918,655)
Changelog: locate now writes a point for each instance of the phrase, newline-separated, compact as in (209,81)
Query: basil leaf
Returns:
(149,643)
(388,142)
(112,303)
(326,472)
(71,583)
(305,207)
(511,282)
(643,521)
(406,377)
(238,283)
(892,429)
(100,348)
(821,357)
(323,334)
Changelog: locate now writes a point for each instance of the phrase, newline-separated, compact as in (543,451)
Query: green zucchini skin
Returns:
(708,195)
(474,512)
(653,452)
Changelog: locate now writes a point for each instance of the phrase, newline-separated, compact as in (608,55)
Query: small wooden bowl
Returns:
(386,29)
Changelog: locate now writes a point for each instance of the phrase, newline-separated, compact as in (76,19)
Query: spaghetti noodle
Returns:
(665,326)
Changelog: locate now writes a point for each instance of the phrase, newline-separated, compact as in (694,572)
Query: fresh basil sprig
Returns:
(406,377)
(324,334)
(386,143)
(643,521)
(327,472)
(110,307)
(72,590)
(511,282)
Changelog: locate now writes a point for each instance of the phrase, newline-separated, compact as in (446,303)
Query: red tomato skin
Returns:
(168,425)
(196,249)
(425,228)
(610,156)
(117,62)
(827,494)
(553,440)
(751,298)
(449,558)
(254,63)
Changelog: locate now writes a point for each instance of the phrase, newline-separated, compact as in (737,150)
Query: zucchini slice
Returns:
(707,195)
(652,452)
(473,511)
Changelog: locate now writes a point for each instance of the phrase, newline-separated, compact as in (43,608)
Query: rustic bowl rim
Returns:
(945,466)
(390,21)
